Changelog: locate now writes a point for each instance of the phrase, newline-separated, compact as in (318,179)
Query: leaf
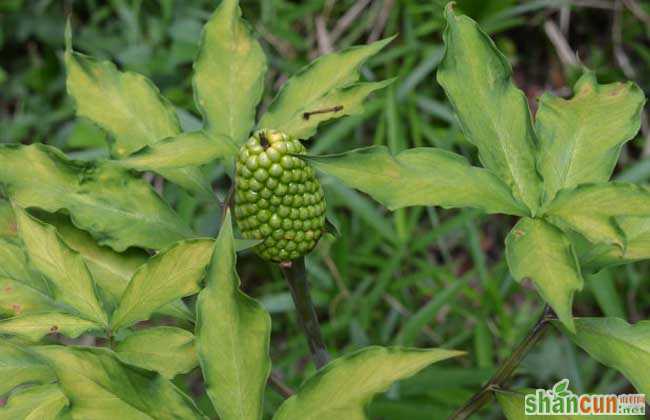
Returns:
(590,209)
(118,209)
(636,234)
(167,350)
(17,298)
(18,367)
(174,273)
(617,344)
(14,266)
(129,107)
(33,327)
(111,270)
(7,221)
(43,402)
(228,75)
(512,403)
(99,386)
(581,138)
(492,112)
(232,337)
(22,290)
(343,388)
(187,149)
(321,84)
(64,267)
(419,176)
(540,252)
(347,100)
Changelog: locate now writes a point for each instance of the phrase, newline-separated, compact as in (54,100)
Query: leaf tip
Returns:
(450,10)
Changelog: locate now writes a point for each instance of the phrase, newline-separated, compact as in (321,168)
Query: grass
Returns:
(416,277)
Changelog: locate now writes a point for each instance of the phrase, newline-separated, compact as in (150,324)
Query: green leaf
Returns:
(22,291)
(172,274)
(7,221)
(17,367)
(617,344)
(541,253)
(167,350)
(228,75)
(347,100)
(43,402)
(493,113)
(33,327)
(64,267)
(14,266)
(232,337)
(118,209)
(17,298)
(129,107)
(343,388)
(581,138)
(13,263)
(636,235)
(512,404)
(187,149)
(99,386)
(326,82)
(419,176)
(591,209)
(112,271)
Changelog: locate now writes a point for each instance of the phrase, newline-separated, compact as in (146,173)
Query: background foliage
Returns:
(418,276)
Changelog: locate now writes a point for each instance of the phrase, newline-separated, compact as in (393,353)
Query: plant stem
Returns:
(296,276)
(507,368)
(279,386)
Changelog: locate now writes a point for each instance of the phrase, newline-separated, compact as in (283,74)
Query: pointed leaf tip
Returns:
(450,10)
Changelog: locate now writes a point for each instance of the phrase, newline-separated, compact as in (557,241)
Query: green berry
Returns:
(278,198)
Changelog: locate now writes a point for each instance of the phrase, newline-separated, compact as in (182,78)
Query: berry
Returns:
(278,198)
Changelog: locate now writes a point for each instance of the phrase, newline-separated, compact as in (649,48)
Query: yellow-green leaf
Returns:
(111,270)
(232,337)
(228,75)
(7,221)
(20,367)
(187,149)
(64,267)
(167,350)
(540,252)
(343,388)
(581,138)
(33,327)
(172,274)
(100,386)
(492,111)
(14,266)
(421,176)
(636,237)
(22,290)
(617,344)
(592,209)
(118,209)
(43,402)
(326,82)
(18,298)
(129,107)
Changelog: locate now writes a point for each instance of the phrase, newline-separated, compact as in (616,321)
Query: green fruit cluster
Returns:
(277,197)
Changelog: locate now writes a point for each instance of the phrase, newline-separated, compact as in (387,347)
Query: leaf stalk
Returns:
(296,275)
(508,367)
